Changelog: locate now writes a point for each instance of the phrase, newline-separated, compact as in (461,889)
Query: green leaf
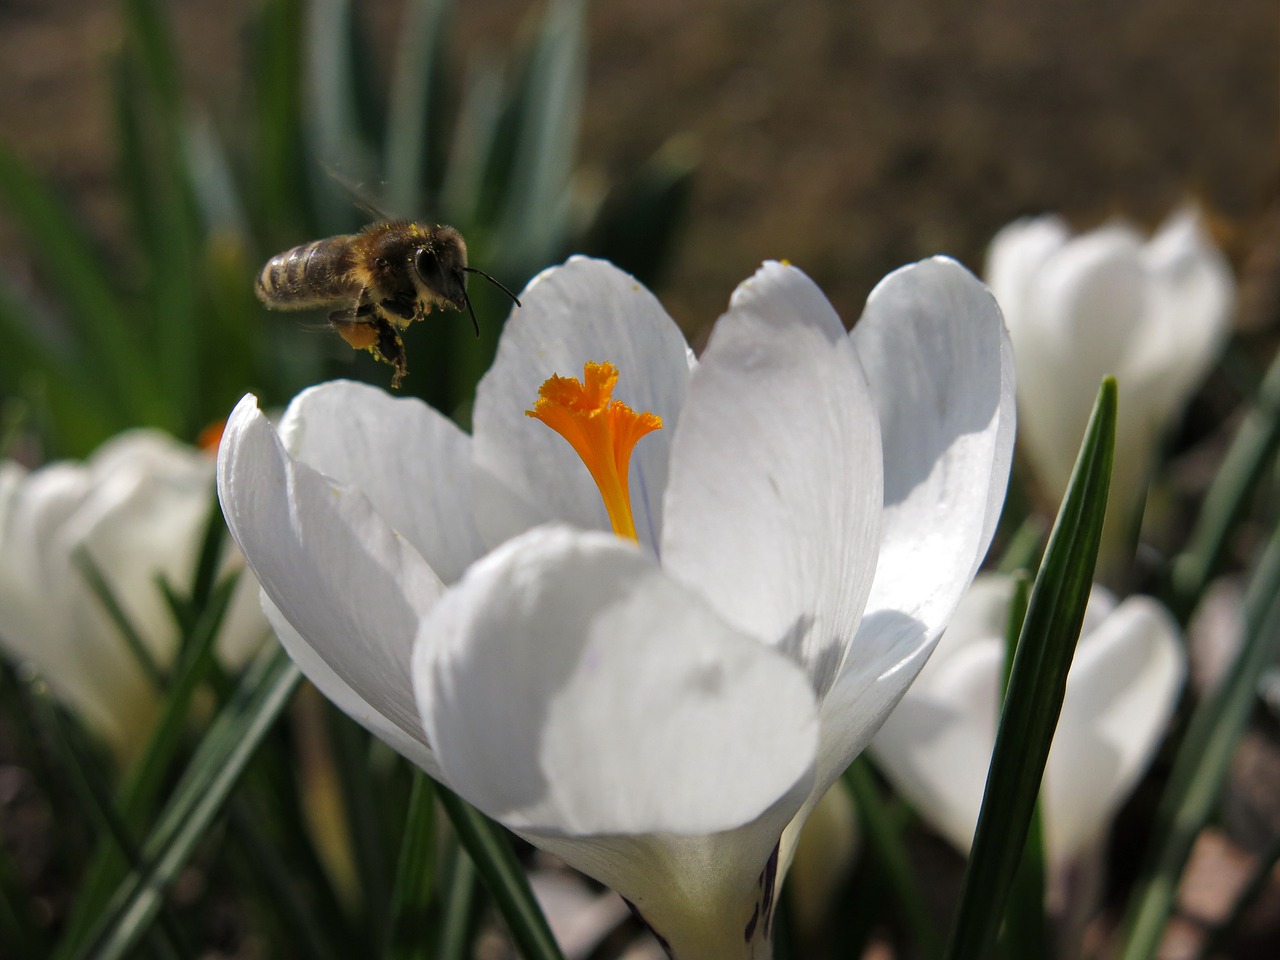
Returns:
(196,801)
(490,850)
(459,895)
(1202,761)
(473,146)
(888,845)
(336,109)
(278,170)
(95,313)
(536,209)
(411,893)
(417,99)
(114,610)
(1038,681)
(1246,463)
(351,749)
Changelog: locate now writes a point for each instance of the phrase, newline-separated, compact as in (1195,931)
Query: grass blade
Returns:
(199,797)
(490,850)
(411,894)
(1246,463)
(77,273)
(885,838)
(1038,681)
(536,211)
(1201,762)
(414,153)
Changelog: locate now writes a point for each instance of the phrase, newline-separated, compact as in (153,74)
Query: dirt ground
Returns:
(848,137)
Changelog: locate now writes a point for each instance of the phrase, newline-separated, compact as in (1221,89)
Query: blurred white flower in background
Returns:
(1153,314)
(660,706)
(936,746)
(138,508)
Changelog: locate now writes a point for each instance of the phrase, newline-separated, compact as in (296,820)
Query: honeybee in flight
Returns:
(388,275)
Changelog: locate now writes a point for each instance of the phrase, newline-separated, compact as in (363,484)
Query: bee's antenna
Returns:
(474,322)
(513,297)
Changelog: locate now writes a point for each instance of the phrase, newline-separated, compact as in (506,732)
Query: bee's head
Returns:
(442,268)
(441,265)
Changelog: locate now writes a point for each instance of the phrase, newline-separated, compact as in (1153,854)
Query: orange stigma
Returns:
(603,432)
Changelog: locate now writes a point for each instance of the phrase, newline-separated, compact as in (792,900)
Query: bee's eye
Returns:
(433,276)
(428,267)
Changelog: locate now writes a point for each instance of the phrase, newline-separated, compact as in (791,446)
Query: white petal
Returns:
(980,618)
(1193,292)
(774,500)
(586,310)
(48,616)
(409,743)
(1014,259)
(937,355)
(412,462)
(1091,296)
(352,589)
(935,747)
(571,687)
(1121,693)
(1088,302)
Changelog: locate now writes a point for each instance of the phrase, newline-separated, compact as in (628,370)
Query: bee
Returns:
(388,275)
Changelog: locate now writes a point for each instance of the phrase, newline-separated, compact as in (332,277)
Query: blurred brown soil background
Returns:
(848,137)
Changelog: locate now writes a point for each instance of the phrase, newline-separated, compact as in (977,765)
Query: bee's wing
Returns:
(361,195)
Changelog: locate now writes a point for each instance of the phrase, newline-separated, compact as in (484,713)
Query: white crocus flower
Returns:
(1153,314)
(655,711)
(138,509)
(936,745)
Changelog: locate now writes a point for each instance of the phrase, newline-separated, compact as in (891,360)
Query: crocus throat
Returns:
(601,430)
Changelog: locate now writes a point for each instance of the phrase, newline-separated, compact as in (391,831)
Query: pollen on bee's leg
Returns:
(360,334)
(602,431)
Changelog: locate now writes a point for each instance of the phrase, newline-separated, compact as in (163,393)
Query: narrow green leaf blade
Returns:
(198,798)
(77,273)
(489,848)
(1037,683)
(411,893)
(885,839)
(537,199)
(416,99)
(1251,452)
(1202,760)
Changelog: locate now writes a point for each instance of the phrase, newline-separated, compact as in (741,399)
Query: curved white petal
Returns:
(1192,295)
(570,687)
(1121,692)
(586,310)
(774,499)
(938,358)
(411,461)
(1090,297)
(351,587)
(1014,257)
(49,617)
(409,743)
(935,747)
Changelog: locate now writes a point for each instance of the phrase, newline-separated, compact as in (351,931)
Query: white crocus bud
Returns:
(1080,308)
(135,512)
(936,746)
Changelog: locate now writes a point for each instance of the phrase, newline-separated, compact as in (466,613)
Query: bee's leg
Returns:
(356,325)
(363,329)
(391,349)
(404,307)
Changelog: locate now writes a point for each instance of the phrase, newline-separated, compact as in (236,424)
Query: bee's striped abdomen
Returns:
(312,275)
